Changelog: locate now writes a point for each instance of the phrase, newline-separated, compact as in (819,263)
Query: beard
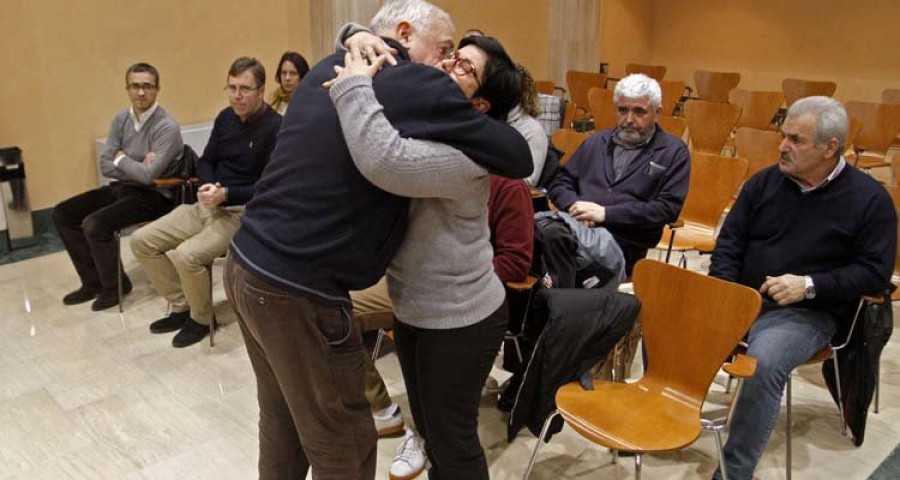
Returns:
(632,137)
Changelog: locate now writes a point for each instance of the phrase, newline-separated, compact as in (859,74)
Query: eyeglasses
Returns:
(136,87)
(244,91)
(464,66)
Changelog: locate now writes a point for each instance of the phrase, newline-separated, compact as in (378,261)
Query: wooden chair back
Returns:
(715,86)
(656,72)
(891,96)
(671,94)
(691,323)
(880,124)
(710,124)
(758,147)
(544,86)
(758,108)
(580,83)
(855,125)
(568,141)
(603,108)
(713,182)
(794,89)
(672,125)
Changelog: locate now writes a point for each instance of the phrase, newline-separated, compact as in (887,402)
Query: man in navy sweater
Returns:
(316,229)
(812,233)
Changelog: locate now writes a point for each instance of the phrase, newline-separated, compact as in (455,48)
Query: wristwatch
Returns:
(809,292)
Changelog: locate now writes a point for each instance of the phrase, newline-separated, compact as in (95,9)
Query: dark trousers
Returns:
(87,224)
(308,359)
(444,371)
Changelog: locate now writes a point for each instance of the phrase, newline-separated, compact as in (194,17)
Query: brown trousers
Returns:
(308,359)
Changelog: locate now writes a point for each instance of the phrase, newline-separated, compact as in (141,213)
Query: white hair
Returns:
(831,119)
(419,13)
(638,85)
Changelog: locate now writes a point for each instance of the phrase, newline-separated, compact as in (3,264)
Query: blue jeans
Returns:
(781,339)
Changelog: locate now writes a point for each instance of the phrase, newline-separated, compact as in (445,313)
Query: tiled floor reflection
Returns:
(88,395)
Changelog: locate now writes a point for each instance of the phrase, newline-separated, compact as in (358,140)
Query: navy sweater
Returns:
(238,151)
(843,235)
(316,226)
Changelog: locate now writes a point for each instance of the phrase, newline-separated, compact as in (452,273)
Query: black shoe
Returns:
(81,295)
(173,322)
(109,297)
(191,333)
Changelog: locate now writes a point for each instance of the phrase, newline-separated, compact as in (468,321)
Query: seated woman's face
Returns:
(290,77)
(466,68)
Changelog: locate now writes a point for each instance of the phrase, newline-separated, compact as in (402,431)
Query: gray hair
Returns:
(831,119)
(638,85)
(419,13)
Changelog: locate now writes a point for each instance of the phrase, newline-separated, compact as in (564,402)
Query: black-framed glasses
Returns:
(233,90)
(136,87)
(463,66)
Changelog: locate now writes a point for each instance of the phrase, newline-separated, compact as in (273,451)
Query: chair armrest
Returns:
(168,182)
(676,224)
(873,299)
(523,286)
(538,192)
(743,366)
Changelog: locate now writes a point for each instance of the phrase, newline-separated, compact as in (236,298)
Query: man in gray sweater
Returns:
(144,144)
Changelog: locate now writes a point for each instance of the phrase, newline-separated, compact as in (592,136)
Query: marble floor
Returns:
(91,396)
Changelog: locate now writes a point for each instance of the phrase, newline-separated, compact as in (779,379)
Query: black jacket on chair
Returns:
(583,326)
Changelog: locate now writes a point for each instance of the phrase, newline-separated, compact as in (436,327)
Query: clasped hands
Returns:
(785,289)
(210,195)
(366,54)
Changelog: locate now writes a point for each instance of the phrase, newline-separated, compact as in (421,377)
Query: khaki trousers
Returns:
(373,310)
(177,249)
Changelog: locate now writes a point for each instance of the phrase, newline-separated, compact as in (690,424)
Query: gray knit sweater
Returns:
(443,276)
(159,134)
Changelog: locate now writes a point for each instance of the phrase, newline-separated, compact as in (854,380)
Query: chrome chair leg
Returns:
(615,459)
(840,399)
(540,441)
(119,267)
(722,470)
(877,382)
(638,460)
(378,342)
(212,321)
(787,460)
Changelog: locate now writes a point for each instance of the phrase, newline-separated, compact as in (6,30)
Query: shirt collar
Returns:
(831,176)
(139,120)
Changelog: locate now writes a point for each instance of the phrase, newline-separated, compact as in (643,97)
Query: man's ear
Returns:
(831,147)
(481,104)
(404,33)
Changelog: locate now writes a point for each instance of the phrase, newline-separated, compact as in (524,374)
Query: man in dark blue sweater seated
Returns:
(813,234)
(316,229)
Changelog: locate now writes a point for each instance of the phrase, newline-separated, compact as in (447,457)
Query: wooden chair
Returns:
(758,108)
(603,108)
(575,117)
(544,86)
(715,86)
(656,72)
(714,180)
(672,125)
(526,286)
(880,124)
(580,83)
(686,335)
(794,89)
(568,141)
(672,91)
(710,124)
(758,147)
(891,96)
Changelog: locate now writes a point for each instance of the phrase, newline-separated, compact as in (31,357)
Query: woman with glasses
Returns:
(291,69)
(449,304)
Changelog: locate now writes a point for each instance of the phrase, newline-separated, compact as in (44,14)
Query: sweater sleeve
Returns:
(874,250)
(113,144)
(405,167)
(206,165)
(731,244)
(665,206)
(165,142)
(511,221)
(536,137)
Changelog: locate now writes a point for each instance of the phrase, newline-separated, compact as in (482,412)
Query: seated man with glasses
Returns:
(144,144)
(177,249)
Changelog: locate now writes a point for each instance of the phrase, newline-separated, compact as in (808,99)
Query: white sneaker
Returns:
(388,421)
(409,459)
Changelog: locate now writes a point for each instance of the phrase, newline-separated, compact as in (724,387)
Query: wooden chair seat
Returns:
(644,419)
(691,236)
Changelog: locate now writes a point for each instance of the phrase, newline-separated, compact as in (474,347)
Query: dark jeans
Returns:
(308,359)
(444,371)
(87,224)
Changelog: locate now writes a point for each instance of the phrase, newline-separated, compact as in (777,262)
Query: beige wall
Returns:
(853,43)
(64,64)
(626,33)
